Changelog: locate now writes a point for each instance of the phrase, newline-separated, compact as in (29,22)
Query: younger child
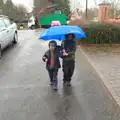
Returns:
(51,57)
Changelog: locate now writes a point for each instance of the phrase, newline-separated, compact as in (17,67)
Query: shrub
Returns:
(101,34)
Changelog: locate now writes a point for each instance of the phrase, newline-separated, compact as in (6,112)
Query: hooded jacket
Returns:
(57,54)
(70,48)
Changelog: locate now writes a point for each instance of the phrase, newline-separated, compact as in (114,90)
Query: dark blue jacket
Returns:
(57,54)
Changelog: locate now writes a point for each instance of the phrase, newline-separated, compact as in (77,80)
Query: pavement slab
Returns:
(105,60)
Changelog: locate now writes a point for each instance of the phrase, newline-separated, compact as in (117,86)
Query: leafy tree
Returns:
(15,12)
(64,5)
(1,6)
(9,9)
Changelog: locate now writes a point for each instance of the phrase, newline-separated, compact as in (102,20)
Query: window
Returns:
(2,24)
(11,22)
(7,22)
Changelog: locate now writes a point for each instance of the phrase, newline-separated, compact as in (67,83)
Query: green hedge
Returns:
(101,34)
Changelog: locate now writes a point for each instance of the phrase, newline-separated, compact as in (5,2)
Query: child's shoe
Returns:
(68,84)
(54,86)
(51,83)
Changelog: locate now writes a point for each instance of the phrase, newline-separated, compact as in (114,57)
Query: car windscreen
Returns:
(2,25)
(30,20)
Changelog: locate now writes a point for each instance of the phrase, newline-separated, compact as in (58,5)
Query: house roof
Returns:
(47,7)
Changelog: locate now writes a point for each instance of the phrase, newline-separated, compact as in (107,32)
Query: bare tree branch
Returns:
(115,6)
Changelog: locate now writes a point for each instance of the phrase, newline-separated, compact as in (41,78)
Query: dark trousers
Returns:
(68,70)
(53,73)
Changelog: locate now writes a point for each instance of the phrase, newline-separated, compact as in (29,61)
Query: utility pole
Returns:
(86,9)
(74,4)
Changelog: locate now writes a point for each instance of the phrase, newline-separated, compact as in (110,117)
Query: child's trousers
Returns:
(68,70)
(53,73)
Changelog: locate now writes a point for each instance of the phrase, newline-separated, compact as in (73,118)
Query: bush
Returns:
(101,34)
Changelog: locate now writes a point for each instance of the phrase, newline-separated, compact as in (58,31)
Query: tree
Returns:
(1,6)
(21,14)
(14,12)
(9,9)
(92,13)
(1,3)
(80,12)
(115,6)
(64,5)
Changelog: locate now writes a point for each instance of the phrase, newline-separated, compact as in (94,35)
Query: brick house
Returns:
(105,14)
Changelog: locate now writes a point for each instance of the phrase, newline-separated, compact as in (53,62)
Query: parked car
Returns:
(8,32)
(55,23)
(31,23)
(21,26)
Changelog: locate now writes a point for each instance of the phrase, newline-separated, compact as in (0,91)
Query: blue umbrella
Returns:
(58,32)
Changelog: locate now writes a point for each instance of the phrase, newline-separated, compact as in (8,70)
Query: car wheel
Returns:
(33,27)
(0,52)
(15,38)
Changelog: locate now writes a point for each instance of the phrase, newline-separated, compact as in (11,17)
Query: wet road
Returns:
(25,93)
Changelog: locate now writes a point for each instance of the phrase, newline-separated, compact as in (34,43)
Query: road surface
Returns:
(25,93)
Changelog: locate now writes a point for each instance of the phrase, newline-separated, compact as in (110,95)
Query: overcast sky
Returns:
(82,3)
(27,3)
(75,3)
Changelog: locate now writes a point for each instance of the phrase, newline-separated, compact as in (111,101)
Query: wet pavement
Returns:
(25,93)
(110,73)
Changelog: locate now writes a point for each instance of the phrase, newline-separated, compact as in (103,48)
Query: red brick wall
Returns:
(104,12)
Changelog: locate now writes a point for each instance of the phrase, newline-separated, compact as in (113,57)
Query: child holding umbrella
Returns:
(51,57)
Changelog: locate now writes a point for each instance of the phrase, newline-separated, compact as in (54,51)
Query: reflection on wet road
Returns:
(25,93)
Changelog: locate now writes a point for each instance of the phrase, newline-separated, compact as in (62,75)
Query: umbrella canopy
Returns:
(58,32)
